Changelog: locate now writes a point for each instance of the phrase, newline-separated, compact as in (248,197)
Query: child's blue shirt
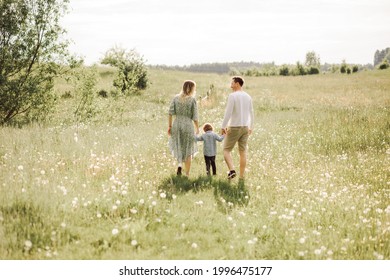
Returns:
(210,142)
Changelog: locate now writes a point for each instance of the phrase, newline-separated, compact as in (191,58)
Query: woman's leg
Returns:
(187,164)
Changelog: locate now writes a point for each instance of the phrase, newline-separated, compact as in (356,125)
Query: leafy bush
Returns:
(284,70)
(313,70)
(132,73)
(299,69)
(384,65)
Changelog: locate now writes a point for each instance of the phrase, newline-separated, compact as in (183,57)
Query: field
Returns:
(317,183)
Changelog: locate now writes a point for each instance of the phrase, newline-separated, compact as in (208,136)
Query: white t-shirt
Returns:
(239,110)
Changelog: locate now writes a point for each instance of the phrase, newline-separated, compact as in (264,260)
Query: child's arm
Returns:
(219,138)
(199,138)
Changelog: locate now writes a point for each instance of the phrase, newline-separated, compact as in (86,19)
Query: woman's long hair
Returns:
(188,88)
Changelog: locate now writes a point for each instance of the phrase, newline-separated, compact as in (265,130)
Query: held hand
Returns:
(169,131)
(223,131)
(250,131)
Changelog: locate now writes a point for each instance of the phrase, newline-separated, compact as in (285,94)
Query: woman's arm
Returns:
(169,124)
(196,123)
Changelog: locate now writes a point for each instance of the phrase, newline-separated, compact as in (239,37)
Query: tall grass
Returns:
(317,183)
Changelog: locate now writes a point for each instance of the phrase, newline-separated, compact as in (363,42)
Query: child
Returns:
(209,146)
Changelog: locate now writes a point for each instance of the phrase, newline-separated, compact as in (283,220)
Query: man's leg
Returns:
(242,147)
(242,163)
(228,159)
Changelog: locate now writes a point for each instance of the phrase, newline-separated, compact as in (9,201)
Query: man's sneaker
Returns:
(178,171)
(231,174)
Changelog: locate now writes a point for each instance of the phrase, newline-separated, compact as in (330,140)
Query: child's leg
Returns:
(207,161)
(213,165)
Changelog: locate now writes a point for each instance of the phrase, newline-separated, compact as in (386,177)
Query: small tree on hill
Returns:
(312,60)
(132,72)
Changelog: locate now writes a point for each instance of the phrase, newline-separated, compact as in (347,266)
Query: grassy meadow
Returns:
(317,183)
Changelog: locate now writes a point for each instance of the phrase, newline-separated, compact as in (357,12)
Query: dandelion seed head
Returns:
(134,242)
(115,231)
(317,252)
(163,195)
(28,244)
(194,245)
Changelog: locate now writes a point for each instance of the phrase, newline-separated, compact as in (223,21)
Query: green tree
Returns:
(31,55)
(384,65)
(312,60)
(85,80)
(343,67)
(132,72)
(299,69)
(284,70)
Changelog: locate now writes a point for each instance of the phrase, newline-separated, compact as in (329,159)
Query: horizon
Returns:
(176,33)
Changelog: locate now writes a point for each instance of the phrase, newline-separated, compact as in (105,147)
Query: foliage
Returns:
(132,72)
(384,65)
(284,70)
(85,80)
(30,57)
(312,60)
(381,55)
(343,67)
(312,70)
(299,69)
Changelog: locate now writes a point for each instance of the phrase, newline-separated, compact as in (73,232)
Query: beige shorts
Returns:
(236,134)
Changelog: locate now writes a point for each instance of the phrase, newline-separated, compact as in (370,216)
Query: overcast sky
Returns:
(183,32)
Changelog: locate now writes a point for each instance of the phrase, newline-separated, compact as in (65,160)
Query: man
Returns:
(237,125)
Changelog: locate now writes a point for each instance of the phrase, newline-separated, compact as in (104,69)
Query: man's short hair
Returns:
(238,79)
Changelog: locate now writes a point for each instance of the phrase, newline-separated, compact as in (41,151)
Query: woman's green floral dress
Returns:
(182,141)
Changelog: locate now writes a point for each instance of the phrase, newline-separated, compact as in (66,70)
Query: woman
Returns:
(182,133)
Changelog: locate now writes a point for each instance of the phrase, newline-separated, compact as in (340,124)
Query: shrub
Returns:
(132,72)
(355,68)
(313,70)
(284,70)
(299,69)
(103,93)
(384,65)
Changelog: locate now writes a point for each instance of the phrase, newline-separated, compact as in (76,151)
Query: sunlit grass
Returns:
(317,183)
